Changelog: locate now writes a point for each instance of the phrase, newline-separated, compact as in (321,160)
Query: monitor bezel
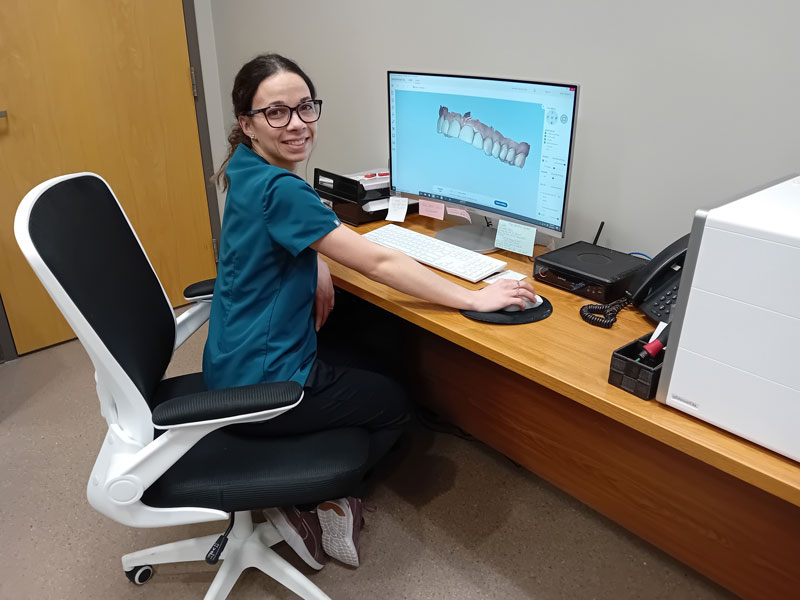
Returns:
(482,210)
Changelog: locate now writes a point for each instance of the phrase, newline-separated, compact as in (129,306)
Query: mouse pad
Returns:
(544,310)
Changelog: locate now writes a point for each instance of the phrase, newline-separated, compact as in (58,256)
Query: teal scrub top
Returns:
(262,326)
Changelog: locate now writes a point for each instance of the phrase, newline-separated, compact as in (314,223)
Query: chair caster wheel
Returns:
(140,575)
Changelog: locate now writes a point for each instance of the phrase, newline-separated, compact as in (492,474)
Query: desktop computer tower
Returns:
(732,353)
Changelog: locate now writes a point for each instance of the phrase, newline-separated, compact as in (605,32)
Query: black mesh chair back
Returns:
(84,238)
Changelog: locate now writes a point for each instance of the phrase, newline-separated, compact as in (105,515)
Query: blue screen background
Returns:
(424,158)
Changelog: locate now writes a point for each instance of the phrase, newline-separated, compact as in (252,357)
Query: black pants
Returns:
(353,382)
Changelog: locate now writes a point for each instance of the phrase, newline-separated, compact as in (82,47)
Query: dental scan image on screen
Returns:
(501,147)
(482,136)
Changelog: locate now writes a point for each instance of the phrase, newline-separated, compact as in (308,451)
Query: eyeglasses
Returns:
(279,115)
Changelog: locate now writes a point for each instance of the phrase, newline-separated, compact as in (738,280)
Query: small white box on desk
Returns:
(732,357)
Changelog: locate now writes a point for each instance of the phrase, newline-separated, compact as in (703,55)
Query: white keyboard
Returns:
(444,256)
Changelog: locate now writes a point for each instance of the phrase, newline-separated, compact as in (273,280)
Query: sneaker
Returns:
(341,523)
(301,530)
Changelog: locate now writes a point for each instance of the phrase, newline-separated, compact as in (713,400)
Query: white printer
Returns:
(733,357)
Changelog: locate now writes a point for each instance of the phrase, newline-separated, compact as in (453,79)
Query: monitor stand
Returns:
(479,238)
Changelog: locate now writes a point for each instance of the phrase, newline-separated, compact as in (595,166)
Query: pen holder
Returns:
(640,378)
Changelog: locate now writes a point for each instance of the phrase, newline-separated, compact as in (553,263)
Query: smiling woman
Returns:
(273,295)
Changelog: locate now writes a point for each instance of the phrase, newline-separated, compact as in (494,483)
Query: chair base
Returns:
(247,546)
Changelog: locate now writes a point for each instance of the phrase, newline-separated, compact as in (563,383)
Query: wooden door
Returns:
(102,86)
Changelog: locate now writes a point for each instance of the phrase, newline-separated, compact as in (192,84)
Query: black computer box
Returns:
(600,274)
(348,197)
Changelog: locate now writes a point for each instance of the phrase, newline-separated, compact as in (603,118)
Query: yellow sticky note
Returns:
(515,237)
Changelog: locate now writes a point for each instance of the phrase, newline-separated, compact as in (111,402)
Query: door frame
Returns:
(8,350)
(201,115)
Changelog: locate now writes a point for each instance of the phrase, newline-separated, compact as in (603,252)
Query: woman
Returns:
(273,293)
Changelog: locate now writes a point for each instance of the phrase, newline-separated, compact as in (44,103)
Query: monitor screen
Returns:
(493,146)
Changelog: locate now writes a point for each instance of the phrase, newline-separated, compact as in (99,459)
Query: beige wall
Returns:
(683,105)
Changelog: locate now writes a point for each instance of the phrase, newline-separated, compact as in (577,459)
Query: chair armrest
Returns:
(190,321)
(202,290)
(194,416)
(235,405)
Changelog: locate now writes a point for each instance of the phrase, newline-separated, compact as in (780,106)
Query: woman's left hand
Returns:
(323,300)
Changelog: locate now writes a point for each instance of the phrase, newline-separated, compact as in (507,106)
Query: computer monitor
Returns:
(494,147)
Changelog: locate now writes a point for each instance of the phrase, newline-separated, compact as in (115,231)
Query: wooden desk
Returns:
(538,393)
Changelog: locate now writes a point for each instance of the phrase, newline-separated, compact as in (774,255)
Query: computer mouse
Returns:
(528,304)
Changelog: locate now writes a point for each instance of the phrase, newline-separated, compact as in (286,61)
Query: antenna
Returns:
(597,235)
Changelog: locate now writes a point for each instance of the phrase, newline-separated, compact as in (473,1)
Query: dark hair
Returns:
(245,86)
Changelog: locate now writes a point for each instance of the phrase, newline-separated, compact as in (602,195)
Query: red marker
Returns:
(368,175)
(385,174)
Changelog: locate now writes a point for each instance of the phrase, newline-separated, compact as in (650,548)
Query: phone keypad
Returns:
(662,303)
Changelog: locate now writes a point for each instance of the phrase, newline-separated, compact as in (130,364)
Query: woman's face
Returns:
(281,146)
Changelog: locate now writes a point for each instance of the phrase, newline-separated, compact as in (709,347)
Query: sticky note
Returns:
(398,205)
(459,212)
(515,237)
(431,209)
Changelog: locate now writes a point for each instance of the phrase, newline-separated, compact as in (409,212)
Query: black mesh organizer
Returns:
(639,378)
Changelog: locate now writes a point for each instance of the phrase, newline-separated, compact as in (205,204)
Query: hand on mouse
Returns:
(503,293)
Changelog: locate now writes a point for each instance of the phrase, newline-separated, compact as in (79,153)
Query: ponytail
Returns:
(235,137)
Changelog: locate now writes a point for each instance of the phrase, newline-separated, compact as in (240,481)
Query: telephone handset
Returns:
(654,289)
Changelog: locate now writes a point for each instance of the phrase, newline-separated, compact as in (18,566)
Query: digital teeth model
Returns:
(492,142)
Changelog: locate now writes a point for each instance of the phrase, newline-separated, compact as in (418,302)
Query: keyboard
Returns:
(447,257)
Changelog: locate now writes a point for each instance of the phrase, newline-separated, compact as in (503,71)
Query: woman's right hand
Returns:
(502,293)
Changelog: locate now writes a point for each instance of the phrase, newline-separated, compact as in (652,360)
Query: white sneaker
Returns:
(341,523)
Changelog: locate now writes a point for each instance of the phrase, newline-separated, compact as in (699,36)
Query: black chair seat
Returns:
(231,472)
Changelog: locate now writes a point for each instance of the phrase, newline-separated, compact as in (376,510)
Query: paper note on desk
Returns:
(431,209)
(398,205)
(459,212)
(515,237)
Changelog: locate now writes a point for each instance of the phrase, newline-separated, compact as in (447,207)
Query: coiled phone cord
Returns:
(604,315)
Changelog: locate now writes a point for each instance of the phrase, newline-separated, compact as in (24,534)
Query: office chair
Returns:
(172,454)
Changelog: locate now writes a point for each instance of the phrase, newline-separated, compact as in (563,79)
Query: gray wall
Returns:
(683,105)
